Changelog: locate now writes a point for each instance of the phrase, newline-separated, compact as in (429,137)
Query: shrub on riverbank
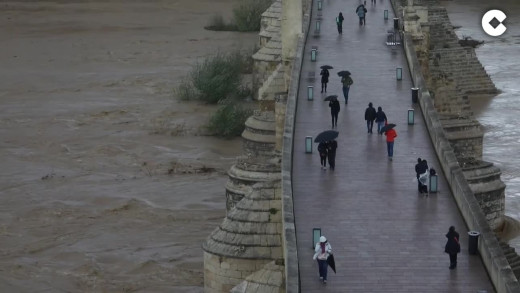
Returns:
(214,79)
(246,17)
(229,119)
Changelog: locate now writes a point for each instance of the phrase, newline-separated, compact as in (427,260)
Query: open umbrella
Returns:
(326,136)
(387,127)
(344,73)
(331,98)
(326,67)
(331,262)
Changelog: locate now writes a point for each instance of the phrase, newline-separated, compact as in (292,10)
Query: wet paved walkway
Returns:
(385,236)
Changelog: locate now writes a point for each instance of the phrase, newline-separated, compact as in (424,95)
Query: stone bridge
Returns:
(385,237)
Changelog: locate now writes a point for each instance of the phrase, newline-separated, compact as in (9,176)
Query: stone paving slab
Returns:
(385,236)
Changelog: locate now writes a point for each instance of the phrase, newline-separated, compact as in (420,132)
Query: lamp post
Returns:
(399,73)
(386,14)
(310,93)
(317,30)
(308,144)
(411,114)
(319,5)
(314,52)
(316,234)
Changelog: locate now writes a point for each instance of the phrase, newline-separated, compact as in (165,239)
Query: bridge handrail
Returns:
(292,271)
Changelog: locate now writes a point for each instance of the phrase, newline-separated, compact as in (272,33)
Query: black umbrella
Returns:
(326,67)
(331,98)
(344,73)
(326,136)
(387,127)
(331,262)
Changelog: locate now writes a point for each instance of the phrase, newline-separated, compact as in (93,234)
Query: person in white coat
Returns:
(322,252)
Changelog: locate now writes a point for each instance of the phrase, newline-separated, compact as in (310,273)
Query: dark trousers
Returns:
(390,148)
(370,125)
(323,160)
(323,266)
(346,89)
(334,118)
(323,86)
(453,260)
(340,28)
(362,20)
(332,160)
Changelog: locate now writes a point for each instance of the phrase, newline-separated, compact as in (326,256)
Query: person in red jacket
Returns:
(390,136)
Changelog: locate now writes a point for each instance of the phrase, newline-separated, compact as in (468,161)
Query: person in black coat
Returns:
(324,79)
(420,168)
(322,149)
(339,22)
(380,119)
(370,116)
(452,246)
(334,111)
(331,153)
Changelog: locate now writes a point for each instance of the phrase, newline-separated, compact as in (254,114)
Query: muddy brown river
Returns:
(107,183)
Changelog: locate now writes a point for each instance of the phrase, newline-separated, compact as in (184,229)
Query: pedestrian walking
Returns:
(339,23)
(361,12)
(347,81)
(380,119)
(421,170)
(452,246)
(324,79)
(322,250)
(334,111)
(331,153)
(391,134)
(370,116)
(322,150)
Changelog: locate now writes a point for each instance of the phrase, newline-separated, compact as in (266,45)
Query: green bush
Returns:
(248,15)
(216,78)
(217,23)
(229,120)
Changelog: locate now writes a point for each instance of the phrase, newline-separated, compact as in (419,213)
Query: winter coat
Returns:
(324,76)
(340,19)
(322,149)
(319,255)
(390,135)
(331,147)
(370,114)
(334,106)
(421,168)
(361,11)
(347,81)
(380,116)
(453,244)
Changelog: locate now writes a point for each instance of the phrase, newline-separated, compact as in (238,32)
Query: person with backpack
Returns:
(380,119)
(370,116)
(339,23)
(324,79)
(361,12)
(347,81)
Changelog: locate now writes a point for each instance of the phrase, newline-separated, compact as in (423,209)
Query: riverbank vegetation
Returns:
(246,17)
